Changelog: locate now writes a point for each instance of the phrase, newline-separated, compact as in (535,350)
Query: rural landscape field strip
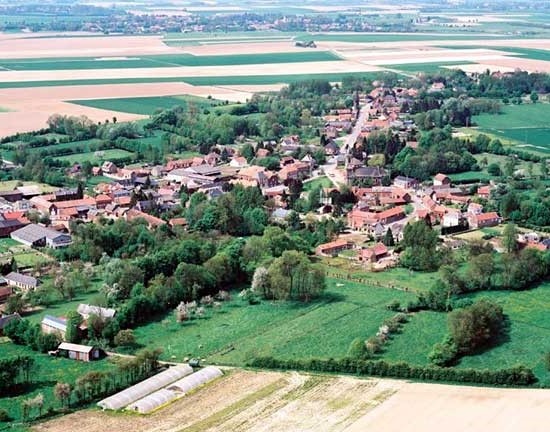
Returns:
(162,61)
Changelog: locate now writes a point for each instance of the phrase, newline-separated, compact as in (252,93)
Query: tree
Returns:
(74,319)
(534,97)
(15,303)
(494,169)
(509,237)
(420,243)
(480,271)
(388,238)
(125,338)
(358,349)
(260,282)
(62,392)
(476,326)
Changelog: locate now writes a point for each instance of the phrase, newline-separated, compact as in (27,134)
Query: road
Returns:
(356,131)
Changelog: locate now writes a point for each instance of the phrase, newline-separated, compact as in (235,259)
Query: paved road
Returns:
(352,137)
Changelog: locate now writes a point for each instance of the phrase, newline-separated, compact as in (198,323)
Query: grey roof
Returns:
(55,322)
(203,169)
(21,279)
(7,318)
(33,233)
(10,223)
(370,172)
(405,179)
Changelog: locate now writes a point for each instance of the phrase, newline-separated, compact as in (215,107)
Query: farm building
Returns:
(5,292)
(22,281)
(191,382)
(5,319)
(79,352)
(333,248)
(173,391)
(37,236)
(51,324)
(146,387)
(10,225)
(86,310)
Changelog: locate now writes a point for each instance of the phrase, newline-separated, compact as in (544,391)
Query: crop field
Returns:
(49,371)
(428,67)
(527,125)
(96,157)
(390,37)
(240,332)
(287,401)
(166,60)
(144,105)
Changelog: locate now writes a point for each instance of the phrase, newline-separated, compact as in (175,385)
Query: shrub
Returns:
(4,416)
(358,349)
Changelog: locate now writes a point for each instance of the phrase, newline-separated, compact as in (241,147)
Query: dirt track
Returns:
(292,402)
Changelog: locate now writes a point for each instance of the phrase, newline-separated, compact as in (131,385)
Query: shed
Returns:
(79,352)
(146,387)
(51,324)
(5,319)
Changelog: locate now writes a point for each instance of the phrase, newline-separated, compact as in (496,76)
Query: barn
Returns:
(79,352)
(140,390)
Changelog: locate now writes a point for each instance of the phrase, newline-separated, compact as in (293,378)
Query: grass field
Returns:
(215,81)
(381,37)
(9,185)
(430,67)
(530,53)
(94,157)
(145,105)
(239,332)
(165,60)
(322,181)
(49,371)
(527,125)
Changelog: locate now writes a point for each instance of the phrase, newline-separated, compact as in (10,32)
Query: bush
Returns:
(443,354)
(516,376)
(358,349)
(4,416)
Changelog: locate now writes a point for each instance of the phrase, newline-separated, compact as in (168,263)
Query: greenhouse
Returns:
(195,380)
(153,401)
(148,386)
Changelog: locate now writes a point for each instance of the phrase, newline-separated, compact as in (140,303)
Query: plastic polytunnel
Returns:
(143,388)
(190,382)
(153,401)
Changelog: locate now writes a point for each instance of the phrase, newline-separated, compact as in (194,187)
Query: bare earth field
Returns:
(11,48)
(29,108)
(256,47)
(291,402)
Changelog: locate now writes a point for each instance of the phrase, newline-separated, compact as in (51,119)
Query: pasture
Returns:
(48,371)
(239,332)
(24,256)
(96,158)
(525,125)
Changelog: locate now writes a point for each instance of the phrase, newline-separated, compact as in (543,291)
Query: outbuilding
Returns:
(79,352)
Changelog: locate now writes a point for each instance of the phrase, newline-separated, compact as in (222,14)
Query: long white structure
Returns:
(144,388)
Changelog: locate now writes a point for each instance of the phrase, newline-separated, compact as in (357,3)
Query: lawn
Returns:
(49,371)
(526,125)
(24,256)
(322,181)
(96,157)
(6,244)
(166,60)
(145,105)
(240,332)
(9,185)
(390,37)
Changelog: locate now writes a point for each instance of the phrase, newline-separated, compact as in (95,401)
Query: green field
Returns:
(322,181)
(49,371)
(530,53)
(430,67)
(391,37)
(94,157)
(239,332)
(145,105)
(165,60)
(527,125)
(215,81)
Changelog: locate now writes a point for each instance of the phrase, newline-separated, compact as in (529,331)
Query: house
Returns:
(374,174)
(451,219)
(5,292)
(12,196)
(483,220)
(391,215)
(79,352)
(7,226)
(67,194)
(152,221)
(484,192)
(55,325)
(26,283)
(331,149)
(85,310)
(373,254)
(109,168)
(38,236)
(441,180)
(5,319)
(238,162)
(359,219)
(333,248)
(474,208)
(405,182)
(280,215)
